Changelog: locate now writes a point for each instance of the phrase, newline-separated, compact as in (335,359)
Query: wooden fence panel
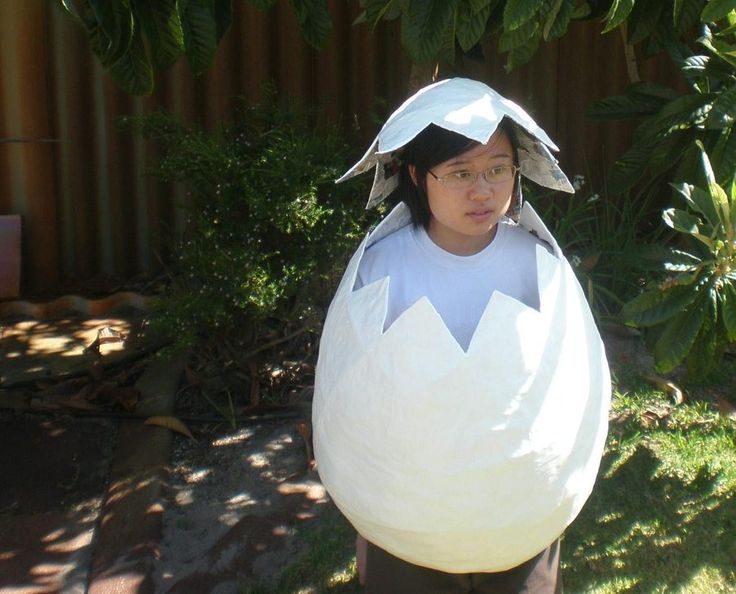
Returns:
(78,180)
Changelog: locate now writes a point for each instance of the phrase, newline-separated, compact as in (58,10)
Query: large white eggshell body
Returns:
(461,461)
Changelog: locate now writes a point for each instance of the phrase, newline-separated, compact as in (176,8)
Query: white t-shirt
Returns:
(459,287)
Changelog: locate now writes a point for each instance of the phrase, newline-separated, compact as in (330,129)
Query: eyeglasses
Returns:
(462,180)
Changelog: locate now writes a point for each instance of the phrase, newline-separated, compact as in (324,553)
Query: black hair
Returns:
(432,146)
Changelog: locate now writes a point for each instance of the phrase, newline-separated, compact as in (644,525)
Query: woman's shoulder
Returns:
(379,257)
(520,237)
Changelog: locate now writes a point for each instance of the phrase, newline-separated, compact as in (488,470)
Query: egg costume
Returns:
(461,461)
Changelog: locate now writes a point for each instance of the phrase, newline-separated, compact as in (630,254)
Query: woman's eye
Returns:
(462,174)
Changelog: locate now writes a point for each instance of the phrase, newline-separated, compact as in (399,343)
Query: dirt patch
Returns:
(233,502)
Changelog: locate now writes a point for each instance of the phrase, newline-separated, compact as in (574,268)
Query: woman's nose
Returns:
(482,190)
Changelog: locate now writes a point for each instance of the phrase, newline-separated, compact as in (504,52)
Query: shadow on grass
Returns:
(645,532)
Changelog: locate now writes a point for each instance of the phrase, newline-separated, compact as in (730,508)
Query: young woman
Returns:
(462,389)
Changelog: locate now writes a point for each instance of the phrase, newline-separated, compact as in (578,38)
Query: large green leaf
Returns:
(314,19)
(115,20)
(449,43)
(518,12)
(728,309)
(621,107)
(700,201)
(643,20)
(423,25)
(667,152)
(723,155)
(703,354)
(521,54)
(133,71)
(619,11)
(470,25)
(683,112)
(628,168)
(682,221)
(162,28)
(715,10)
(558,19)
(262,4)
(724,50)
(376,10)
(679,334)
(717,193)
(223,16)
(511,39)
(200,32)
(723,110)
(71,8)
(653,92)
(659,305)
(686,15)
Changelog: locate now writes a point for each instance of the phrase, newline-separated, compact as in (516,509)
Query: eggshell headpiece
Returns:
(467,107)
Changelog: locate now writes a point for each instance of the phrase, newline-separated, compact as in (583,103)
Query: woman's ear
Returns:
(413,173)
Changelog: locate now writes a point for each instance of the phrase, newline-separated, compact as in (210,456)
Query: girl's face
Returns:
(463,221)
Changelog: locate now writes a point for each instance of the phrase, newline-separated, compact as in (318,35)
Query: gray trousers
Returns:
(387,574)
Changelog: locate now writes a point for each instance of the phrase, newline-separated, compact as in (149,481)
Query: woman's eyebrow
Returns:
(467,161)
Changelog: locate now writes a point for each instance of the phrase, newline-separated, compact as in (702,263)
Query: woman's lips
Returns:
(480,215)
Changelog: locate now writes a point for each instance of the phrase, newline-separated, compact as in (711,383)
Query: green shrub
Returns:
(267,228)
(604,237)
(691,304)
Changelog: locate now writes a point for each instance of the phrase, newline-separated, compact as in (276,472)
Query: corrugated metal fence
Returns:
(79,181)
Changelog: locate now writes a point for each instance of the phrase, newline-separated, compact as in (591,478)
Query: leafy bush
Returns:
(692,306)
(671,122)
(267,227)
(604,237)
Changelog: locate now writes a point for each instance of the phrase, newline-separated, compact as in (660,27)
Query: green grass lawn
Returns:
(662,516)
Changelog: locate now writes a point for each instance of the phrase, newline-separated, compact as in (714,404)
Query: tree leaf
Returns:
(582,11)
(723,155)
(723,109)
(521,36)
(558,19)
(643,20)
(471,25)
(699,200)
(447,48)
(667,152)
(621,107)
(518,12)
(375,10)
(652,92)
(223,16)
(133,71)
(162,28)
(715,10)
(200,32)
(115,20)
(171,423)
(628,168)
(262,4)
(686,14)
(422,27)
(724,50)
(521,54)
(656,305)
(728,309)
(703,355)
(314,19)
(620,9)
(679,334)
(681,113)
(682,221)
